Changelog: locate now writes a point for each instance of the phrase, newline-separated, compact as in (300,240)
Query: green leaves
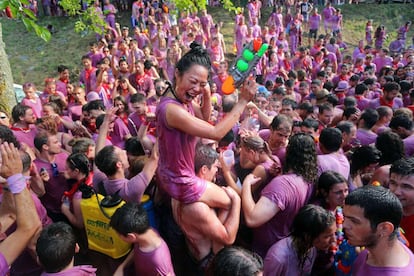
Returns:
(89,20)
(4,4)
(197,5)
(19,11)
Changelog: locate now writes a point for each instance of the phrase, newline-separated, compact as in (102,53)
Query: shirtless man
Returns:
(207,231)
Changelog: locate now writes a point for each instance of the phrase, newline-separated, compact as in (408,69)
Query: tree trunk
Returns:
(7,96)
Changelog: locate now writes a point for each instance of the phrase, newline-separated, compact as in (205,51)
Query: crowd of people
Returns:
(321,145)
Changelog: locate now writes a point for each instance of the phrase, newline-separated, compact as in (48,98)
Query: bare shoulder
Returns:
(198,211)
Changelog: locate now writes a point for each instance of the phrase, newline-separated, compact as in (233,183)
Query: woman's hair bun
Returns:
(196,55)
(196,48)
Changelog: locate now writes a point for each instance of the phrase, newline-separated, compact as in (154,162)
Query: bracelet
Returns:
(17,183)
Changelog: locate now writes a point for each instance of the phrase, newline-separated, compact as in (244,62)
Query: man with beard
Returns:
(372,218)
(24,124)
(51,160)
(389,98)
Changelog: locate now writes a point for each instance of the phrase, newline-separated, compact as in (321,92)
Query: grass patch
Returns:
(33,60)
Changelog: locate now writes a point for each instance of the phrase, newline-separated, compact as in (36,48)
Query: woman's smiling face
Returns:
(191,83)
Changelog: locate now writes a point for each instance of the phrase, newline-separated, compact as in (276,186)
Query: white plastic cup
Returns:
(228,157)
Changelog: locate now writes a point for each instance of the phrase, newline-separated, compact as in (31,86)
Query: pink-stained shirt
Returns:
(169,69)
(143,84)
(142,40)
(381,62)
(335,161)
(216,54)
(57,185)
(272,71)
(253,9)
(397,103)
(157,262)
(336,22)
(129,190)
(366,137)
(314,21)
(256,31)
(362,102)
(360,266)
(206,22)
(25,136)
(119,133)
(328,12)
(282,259)
(409,146)
(81,270)
(75,111)
(4,266)
(88,79)
(61,86)
(96,58)
(282,43)
(289,192)
(176,164)
(275,19)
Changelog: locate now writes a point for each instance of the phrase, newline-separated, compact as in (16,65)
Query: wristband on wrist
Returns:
(17,183)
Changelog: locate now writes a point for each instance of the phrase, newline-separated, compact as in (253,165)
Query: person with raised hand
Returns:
(28,222)
(181,120)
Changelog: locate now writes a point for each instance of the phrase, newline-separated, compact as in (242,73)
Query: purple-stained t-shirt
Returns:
(206,22)
(81,270)
(157,262)
(282,259)
(334,162)
(26,136)
(366,137)
(267,165)
(314,21)
(96,58)
(362,102)
(88,82)
(57,185)
(119,133)
(397,103)
(289,192)
(75,111)
(4,267)
(95,139)
(129,190)
(381,62)
(360,266)
(409,145)
(61,86)
(176,164)
(134,123)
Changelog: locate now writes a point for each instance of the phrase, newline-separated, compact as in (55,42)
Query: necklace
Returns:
(169,88)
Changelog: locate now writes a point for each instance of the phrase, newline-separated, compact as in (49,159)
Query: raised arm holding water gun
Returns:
(181,121)
(244,65)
